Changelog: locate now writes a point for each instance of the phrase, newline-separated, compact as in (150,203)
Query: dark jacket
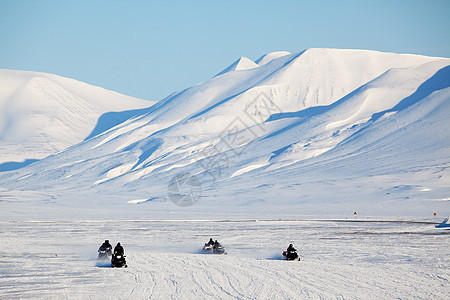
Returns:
(118,250)
(105,246)
(291,248)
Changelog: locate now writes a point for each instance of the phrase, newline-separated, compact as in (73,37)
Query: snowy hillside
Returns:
(319,132)
(41,114)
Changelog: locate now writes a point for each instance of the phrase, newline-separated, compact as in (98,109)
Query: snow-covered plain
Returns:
(339,260)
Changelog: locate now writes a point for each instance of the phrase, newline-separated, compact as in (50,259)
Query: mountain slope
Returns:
(315,132)
(41,114)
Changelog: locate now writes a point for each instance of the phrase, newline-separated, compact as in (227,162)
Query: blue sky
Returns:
(149,49)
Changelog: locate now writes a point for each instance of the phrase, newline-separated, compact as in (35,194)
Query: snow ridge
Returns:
(243,63)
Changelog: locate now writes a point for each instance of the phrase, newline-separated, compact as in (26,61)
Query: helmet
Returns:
(107,241)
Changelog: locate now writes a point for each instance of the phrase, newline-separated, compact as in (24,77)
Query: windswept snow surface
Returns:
(41,114)
(339,260)
(318,132)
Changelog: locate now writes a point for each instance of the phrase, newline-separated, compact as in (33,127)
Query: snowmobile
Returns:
(208,248)
(118,261)
(444,224)
(291,255)
(218,249)
(104,253)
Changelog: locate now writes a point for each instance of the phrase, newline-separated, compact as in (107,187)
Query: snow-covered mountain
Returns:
(41,114)
(243,63)
(322,131)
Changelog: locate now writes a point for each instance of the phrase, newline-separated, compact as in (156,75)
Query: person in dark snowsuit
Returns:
(105,246)
(291,248)
(118,250)
(291,253)
(211,242)
(118,259)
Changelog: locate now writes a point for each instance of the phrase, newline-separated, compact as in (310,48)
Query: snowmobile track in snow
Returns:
(164,260)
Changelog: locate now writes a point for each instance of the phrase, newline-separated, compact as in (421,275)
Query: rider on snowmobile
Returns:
(211,242)
(291,253)
(105,246)
(291,248)
(118,250)
(118,259)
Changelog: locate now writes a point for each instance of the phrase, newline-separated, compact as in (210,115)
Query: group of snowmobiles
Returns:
(117,257)
(105,253)
(216,248)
